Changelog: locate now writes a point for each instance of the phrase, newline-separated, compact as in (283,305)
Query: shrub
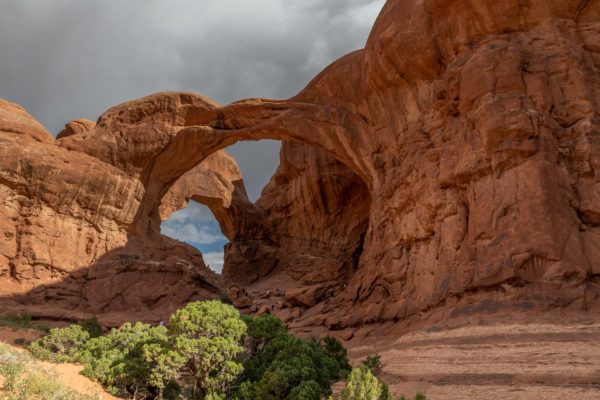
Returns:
(16,320)
(130,359)
(23,320)
(260,331)
(92,326)
(22,342)
(23,380)
(61,344)
(225,299)
(362,385)
(373,363)
(334,349)
(385,392)
(281,366)
(203,340)
(307,390)
(12,366)
(212,346)
(418,396)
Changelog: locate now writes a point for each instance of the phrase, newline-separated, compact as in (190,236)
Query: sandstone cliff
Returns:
(480,153)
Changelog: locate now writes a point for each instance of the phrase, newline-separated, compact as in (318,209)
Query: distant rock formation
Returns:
(451,167)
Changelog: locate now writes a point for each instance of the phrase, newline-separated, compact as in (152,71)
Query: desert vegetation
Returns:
(208,350)
(21,321)
(22,379)
(363,383)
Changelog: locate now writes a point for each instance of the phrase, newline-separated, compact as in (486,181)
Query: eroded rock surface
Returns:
(67,247)
(480,152)
(313,216)
(450,168)
(551,355)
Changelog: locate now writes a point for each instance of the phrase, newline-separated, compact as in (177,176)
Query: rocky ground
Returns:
(554,358)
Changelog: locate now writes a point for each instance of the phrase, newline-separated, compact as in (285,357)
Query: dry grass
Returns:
(21,378)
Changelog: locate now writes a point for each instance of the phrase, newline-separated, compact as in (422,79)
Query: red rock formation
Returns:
(472,126)
(217,183)
(77,127)
(67,248)
(479,151)
(314,214)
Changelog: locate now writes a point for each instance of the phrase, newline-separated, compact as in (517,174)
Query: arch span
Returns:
(166,138)
(161,137)
(255,120)
(306,229)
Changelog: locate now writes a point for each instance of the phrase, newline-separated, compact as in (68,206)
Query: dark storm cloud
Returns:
(67,59)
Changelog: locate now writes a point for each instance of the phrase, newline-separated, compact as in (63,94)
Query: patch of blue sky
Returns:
(197,226)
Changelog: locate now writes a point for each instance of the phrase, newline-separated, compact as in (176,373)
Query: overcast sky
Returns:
(69,59)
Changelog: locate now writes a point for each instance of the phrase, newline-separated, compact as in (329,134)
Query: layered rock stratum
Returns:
(449,168)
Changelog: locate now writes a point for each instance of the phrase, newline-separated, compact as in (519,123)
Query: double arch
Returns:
(209,128)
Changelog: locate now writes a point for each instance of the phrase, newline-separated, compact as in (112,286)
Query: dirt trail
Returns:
(69,374)
(517,361)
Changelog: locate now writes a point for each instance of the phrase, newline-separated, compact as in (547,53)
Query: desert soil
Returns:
(69,374)
(511,360)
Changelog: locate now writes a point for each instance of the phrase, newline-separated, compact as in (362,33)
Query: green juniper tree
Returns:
(208,336)
(281,366)
(132,359)
(209,348)
(61,344)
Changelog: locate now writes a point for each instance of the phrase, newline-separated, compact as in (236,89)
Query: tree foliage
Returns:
(125,360)
(334,349)
(212,351)
(418,396)
(281,366)
(61,344)
(92,327)
(373,363)
(362,385)
(208,337)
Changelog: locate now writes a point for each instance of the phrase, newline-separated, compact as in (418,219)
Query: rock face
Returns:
(67,209)
(481,157)
(450,167)
(313,216)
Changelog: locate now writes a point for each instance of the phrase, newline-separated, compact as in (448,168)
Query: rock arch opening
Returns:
(195,223)
(197,226)
(305,230)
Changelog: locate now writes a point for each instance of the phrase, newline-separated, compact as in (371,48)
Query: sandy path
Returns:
(498,362)
(69,374)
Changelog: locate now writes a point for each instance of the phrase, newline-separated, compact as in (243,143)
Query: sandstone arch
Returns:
(473,124)
(216,183)
(313,209)
(182,129)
